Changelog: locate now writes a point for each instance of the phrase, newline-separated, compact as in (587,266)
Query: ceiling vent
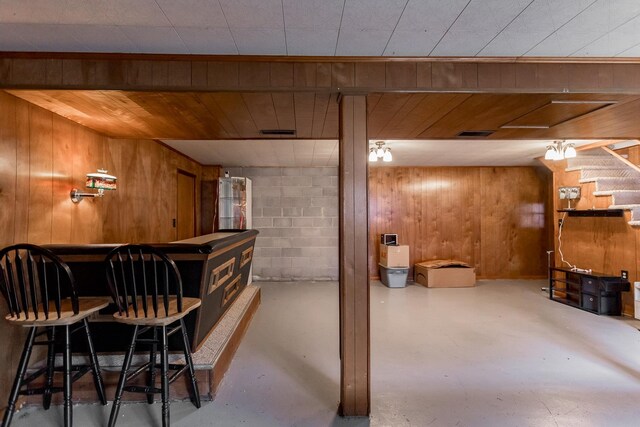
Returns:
(474,133)
(278,132)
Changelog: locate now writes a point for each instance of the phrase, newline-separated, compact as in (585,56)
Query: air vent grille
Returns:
(475,133)
(279,132)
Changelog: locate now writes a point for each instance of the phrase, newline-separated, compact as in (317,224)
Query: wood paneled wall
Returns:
(491,218)
(42,157)
(606,245)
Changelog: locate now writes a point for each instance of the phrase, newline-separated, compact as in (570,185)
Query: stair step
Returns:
(590,175)
(626,198)
(593,162)
(610,192)
(617,184)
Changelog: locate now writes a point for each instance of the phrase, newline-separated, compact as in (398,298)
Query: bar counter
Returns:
(214,267)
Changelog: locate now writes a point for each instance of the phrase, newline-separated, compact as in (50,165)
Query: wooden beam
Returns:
(354,278)
(200,73)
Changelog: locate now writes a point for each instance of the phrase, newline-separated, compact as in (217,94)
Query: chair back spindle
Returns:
(142,281)
(33,278)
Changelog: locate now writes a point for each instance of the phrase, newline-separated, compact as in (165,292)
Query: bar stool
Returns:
(41,293)
(146,286)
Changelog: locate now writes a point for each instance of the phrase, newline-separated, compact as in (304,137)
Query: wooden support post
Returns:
(354,278)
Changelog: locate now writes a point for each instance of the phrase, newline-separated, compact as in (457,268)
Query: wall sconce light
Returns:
(98,180)
(560,150)
(381,152)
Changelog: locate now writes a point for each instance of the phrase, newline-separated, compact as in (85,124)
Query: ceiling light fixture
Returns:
(381,152)
(560,150)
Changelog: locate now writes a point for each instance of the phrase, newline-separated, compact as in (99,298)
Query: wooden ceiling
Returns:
(233,115)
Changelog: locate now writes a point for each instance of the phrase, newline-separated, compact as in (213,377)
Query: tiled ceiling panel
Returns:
(325,27)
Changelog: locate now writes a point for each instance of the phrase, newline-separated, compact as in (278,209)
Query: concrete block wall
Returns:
(296,212)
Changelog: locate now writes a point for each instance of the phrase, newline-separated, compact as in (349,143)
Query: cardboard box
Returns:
(394,256)
(444,274)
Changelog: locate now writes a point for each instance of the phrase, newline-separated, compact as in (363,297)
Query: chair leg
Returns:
(152,366)
(51,360)
(95,366)
(17,382)
(188,359)
(66,359)
(165,377)
(123,377)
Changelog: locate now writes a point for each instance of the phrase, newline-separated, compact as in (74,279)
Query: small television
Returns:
(389,239)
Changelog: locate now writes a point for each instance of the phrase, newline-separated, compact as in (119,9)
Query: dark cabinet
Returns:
(595,292)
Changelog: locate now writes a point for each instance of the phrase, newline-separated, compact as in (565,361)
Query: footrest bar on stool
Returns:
(41,390)
(173,377)
(142,389)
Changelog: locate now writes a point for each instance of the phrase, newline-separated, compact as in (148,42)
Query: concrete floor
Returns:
(499,354)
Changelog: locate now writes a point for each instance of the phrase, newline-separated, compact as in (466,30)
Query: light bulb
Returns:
(372,155)
(380,151)
(570,151)
(387,157)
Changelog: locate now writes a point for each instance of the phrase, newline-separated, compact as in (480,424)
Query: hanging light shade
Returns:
(570,151)
(380,151)
(551,153)
(372,155)
(101,180)
(387,157)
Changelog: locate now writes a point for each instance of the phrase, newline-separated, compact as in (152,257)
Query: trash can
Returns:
(394,277)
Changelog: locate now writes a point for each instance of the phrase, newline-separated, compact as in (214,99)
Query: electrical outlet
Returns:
(624,274)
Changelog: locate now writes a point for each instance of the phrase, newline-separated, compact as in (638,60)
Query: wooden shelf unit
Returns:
(594,292)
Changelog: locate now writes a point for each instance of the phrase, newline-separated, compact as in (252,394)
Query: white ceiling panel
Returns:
(302,41)
(512,43)
(253,13)
(194,13)
(305,153)
(430,15)
(102,38)
(536,22)
(478,24)
(155,39)
(372,14)
(279,152)
(145,13)
(412,42)
(260,42)
(313,14)
(615,42)
(207,40)
(52,38)
(632,52)
(54,12)
(595,21)
(462,43)
(362,42)
(10,38)
(365,27)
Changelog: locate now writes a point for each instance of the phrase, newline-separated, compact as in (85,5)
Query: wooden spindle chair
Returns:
(146,287)
(41,294)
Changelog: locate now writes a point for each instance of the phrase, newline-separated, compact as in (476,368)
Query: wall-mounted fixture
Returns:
(381,152)
(97,180)
(560,150)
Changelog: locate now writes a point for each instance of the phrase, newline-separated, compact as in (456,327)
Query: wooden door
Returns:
(186,209)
